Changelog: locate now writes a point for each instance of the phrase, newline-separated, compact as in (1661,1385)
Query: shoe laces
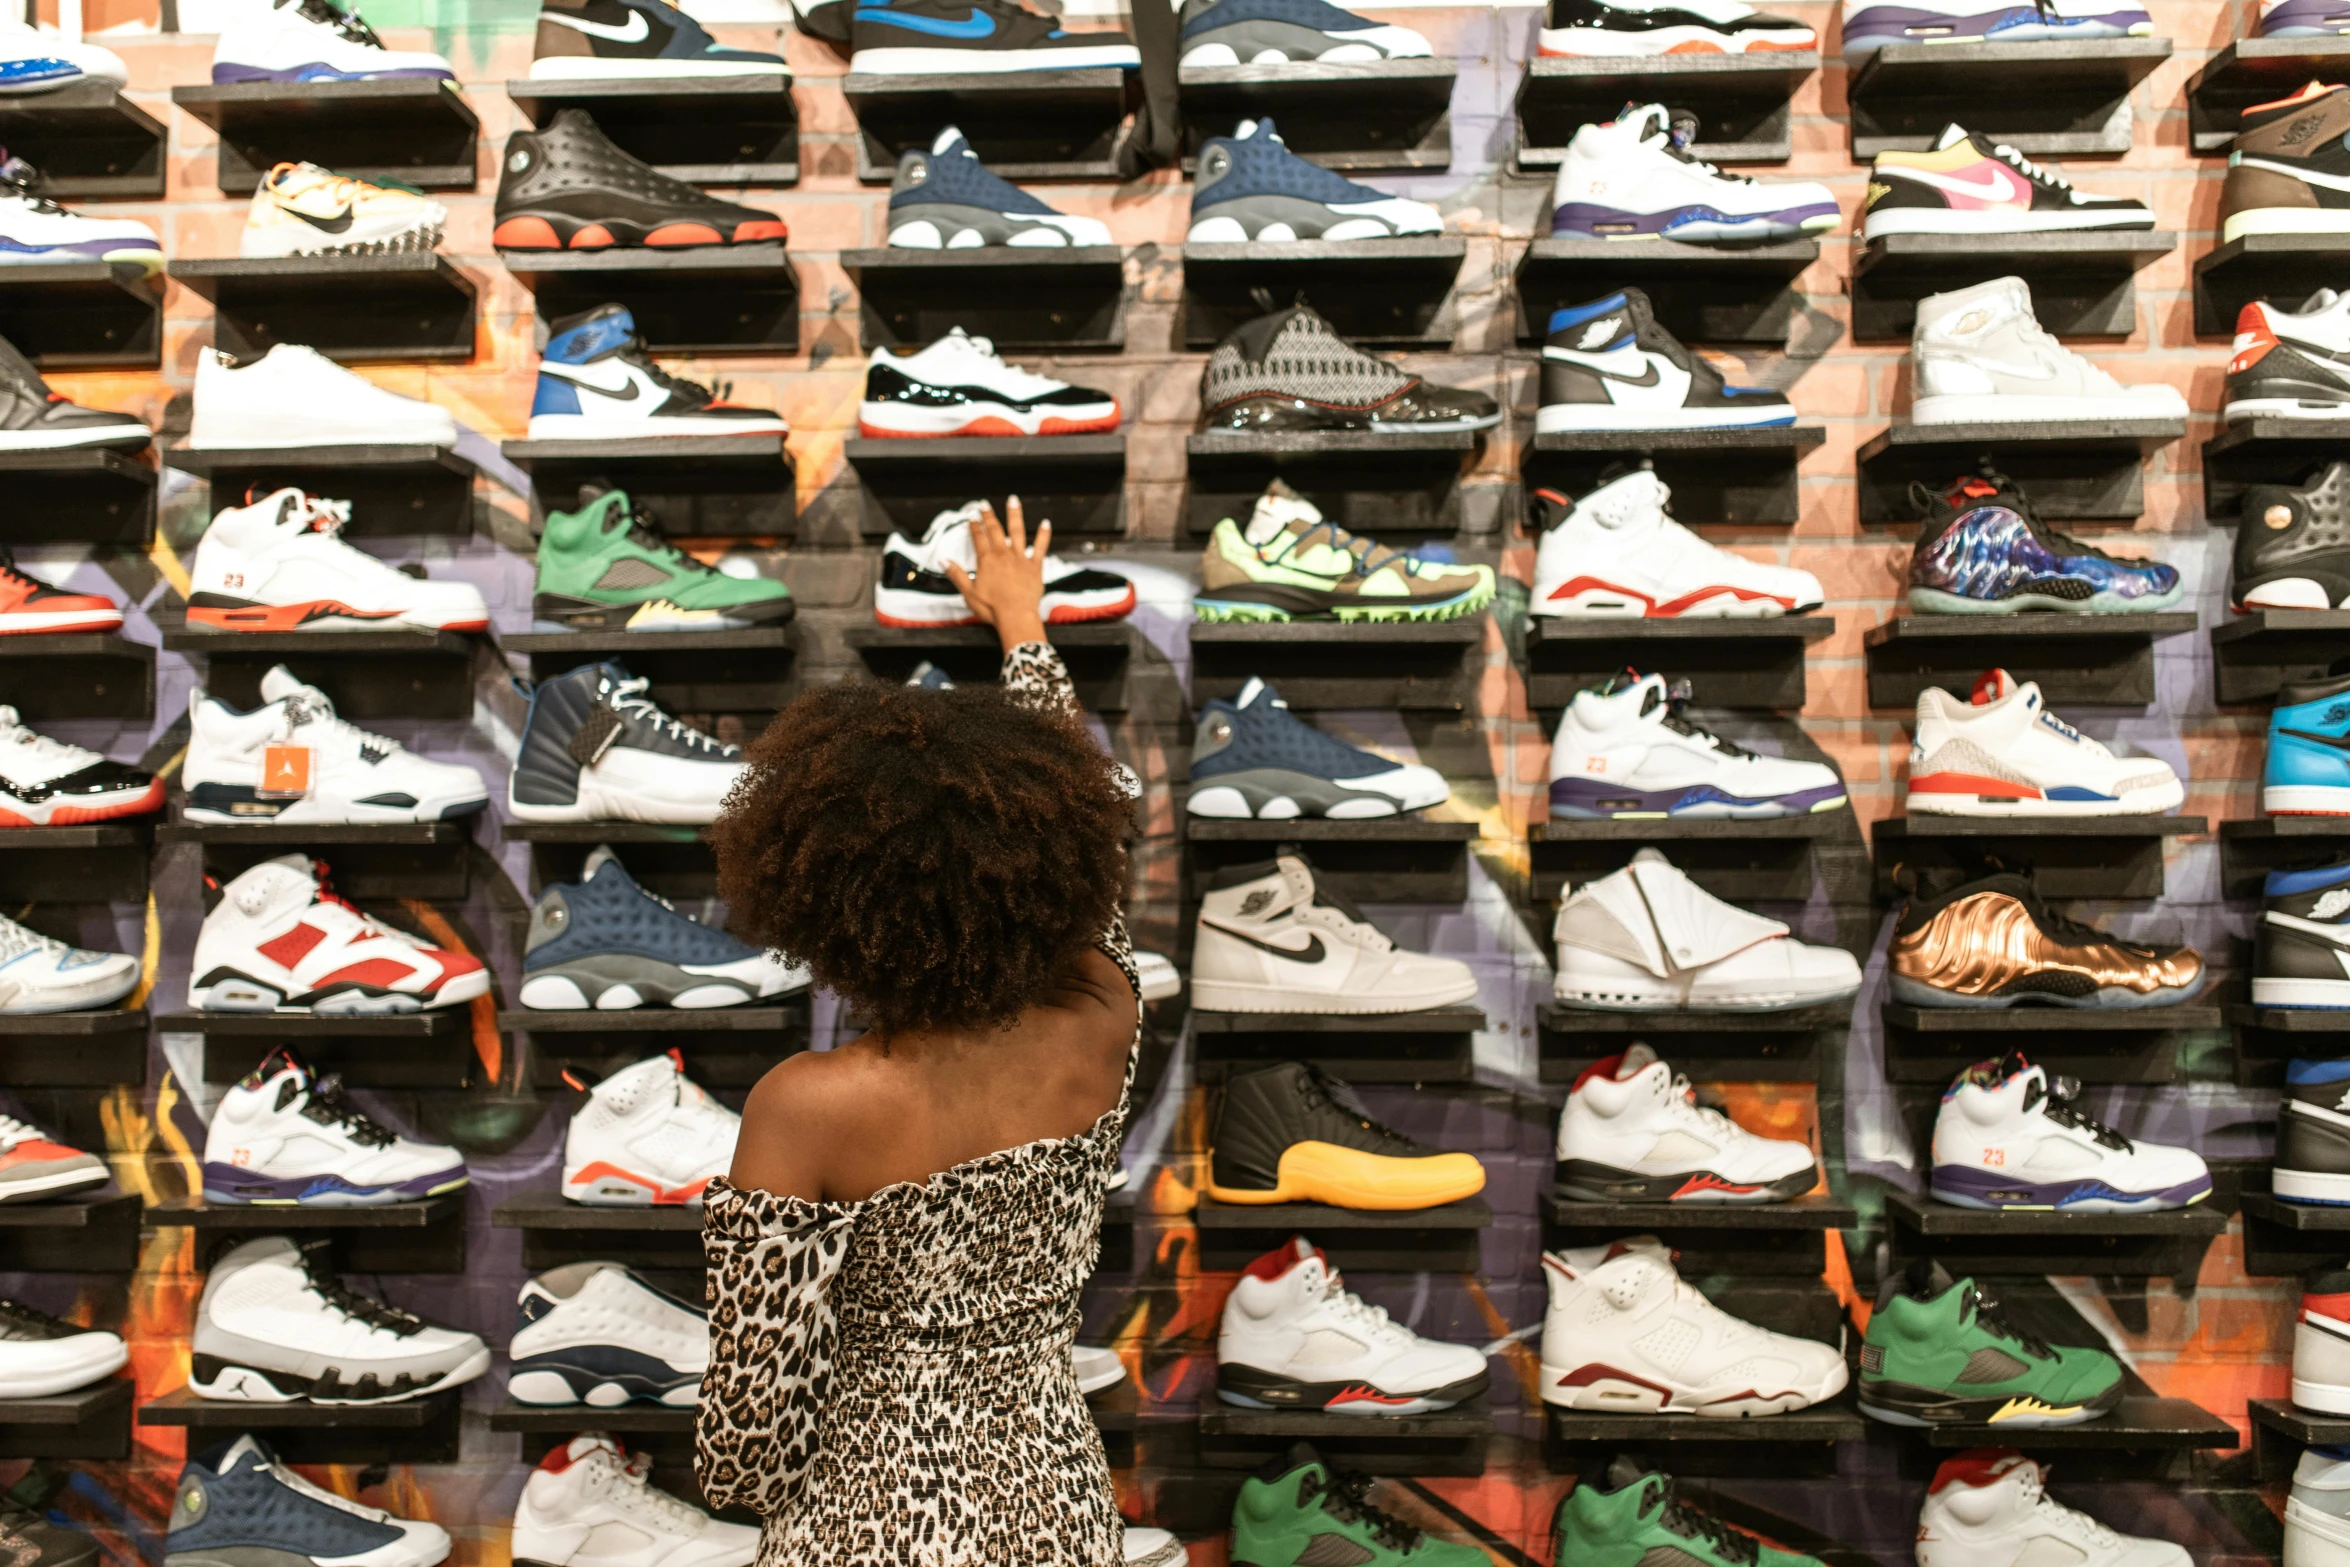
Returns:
(341,189)
(1661,1497)
(1352,1309)
(1019,382)
(294,1482)
(683,391)
(2005,492)
(626,1479)
(346,24)
(13,1131)
(328,1107)
(16,576)
(309,705)
(2028,169)
(2033,1482)
(1992,1318)
(640,528)
(2065,928)
(19,1315)
(1370,558)
(1341,1098)
(20,181)
(316,514)
(1674,699)
(2054,1098)
(1667,139)
(628,699)
(1346,1495)
(377,1314)
(15,941)
(15,732)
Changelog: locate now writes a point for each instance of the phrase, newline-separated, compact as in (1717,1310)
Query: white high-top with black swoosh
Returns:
(1269,940)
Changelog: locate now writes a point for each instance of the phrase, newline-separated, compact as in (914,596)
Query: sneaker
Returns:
(1618,552)
(1156,976)
(1247,956)
(1290,564)
(1940,1352)
(300,209)
(280,941)
(1992,943)
(241,1499)
(48,783)
(32,61)
(2313,1130)
(2321,1344)
(291,760)
(915,590)
(35,1169)
(1989,1507)
(945,199)
(647,1137)
(595,1333)
(2304,939)
(1580,29)
(313,41)
(34,418)
(1275,32)
(2290,364)
(2288,172)
(1288,1133)
(2307,768)
(41,1357)
(1872,24)
(1633,1131)
(954,37)
(1145,1548)
(1252,189)
(2299,555)
(2011,1136)
(566,187)
(2002,753)
(30,607)
(1631,1513)
(273,1327)
(1294,1337)
(633,40)
(1970,184)
(42,974)
(1295,1512)
(1607,365)
(1292,371)
(296,396)
(605,943)
(35,231)
(1625,1335)
(957,386)
(2301,19)
(595,748)
(1633,177)
(2317,1513)
(1979,356)
(1648,939)
(280,564)
(1095,1368)
(284,1137)
(598,382)
(1624,749)
(606,567)
(1982,551)
(591,1503)
(1251,757)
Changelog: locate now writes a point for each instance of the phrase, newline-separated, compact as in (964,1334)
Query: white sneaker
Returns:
(279,941)
(300,209)
(1618,552)
(2321,1344)
(1632,178)
(1269,941)
(280,564)
(292,760)
(42,974)
(36,231)
(647,1136)
(1618,28)
(591,1504)
(41,1356)
(1157,975)
(915,590)
(1624,750)
(270,1330)
(1989,1507)
(46,782)
(2008,1136)
(312,41)
(958,386)
(1095,1368)
(1648,938)
(2004,754)
(1625,1335)
(1151,1548)
(296,396)
(1294,1338)
(2317,1513)
(2291,364)
(594,1333)
(1979,356)
(32,61)
(1633,1131)
(282,1137)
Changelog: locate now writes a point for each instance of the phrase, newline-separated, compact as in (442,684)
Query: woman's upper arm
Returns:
(785,1132)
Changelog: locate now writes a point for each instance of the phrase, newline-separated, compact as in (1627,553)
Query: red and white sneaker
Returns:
(1633,1131)
(1618,553)
(647,1137)
(48,783)
(28,605)
(281,941)
(280,564)
(34,1168)
(1293,1337)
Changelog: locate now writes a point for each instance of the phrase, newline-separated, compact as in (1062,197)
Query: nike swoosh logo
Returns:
(627,391)
(2000,186)
(2021,372)
(2310,176)
(636,32)
(1312,952)
(977,25)
(1649,378)
(2331,742)
(338,224)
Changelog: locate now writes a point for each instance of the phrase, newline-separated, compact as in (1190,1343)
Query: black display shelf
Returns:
(1356,115)
(2280,1430)
(1363,480)
(404,1237)
(2283,269)
(1934,1045)
(672,860)
(2071,469)
(1317,665)
(104,862)
(1023,298)
(1442,1239)
(1993,1244)
(371,861)
(1766,858)
(88,141)
(2137,1424)
(1099,655)
(93,1234)
(1434,1046)
(2266,451)
(1778,1242)
(2285,1239)
(1736,662)
(84,315)
(2043,99)
(722,1047)
(1710,1045)
(394,490)
(1741,100)
(2083,283)
(1700,293)
(2256,654)
(704,486)
(742,671)
(556,1231)
(2096,660)
(1387,859)
(1381,291)
(98,1049)
(1075,482)
(705,130)
(83,497)
(412,1050)
(2071,856)
(413,306)
(370,674)
(90,1422)
(2249,850)
(1441,1442)
(1024,125)
(708,299)
(1745,476)
(414,129)
(2250,71)
(1802,1443)
(411,1431)
(78,674)
(635,1418)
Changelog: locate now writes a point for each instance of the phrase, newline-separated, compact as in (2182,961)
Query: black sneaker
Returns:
(35,419)
(947,37)
(2293,544)
(637,39)
(1286,1133)
(567,188)
(1607,365)
(2313,1134)
(1292,371)
(29,1540)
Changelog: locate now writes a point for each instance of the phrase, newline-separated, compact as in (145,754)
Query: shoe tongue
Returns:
(281,683)
(1256,688)
(1634,497)
(1682,126)
(1252,130)
(599,857)
(251,1447)
(8,718)
(1626,1471)
(1635,1061)
(1951,136)
(282,1059)
(578,1448)
(1996,686)
(947,140)
(1280,509)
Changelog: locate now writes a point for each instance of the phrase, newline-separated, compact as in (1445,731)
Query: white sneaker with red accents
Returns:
(1634,1132)
(279,940)
(2002,753)
(591,1503)
(648,1136)
(1294,1338)
(1989,1507)
(1618,553)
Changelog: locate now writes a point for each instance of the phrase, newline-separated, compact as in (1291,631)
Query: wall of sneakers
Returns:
(1793,681)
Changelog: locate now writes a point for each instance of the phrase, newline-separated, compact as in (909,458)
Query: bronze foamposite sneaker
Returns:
(1993,943)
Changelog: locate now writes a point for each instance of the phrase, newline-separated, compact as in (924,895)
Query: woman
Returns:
(896,1255)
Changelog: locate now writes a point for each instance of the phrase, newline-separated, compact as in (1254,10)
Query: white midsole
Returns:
(2309,1185)
(909,419)
(2283,408)
(25,621)
(2305,800)
(2325,995)
(51,440)
(1568,418)
(279,427)
(586,68)
(589,427)
(955,62)
(1930,220)
(1597,43)
(2134,802)
(1226,995)
(2286,220)
(2023,408)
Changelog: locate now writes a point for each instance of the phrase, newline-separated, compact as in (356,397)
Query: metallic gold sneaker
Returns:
(1992,943)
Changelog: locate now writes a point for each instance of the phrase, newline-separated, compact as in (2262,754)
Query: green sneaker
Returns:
(1631,1516)
(603,568)
(1288,564)
(1296,1513)
(1941,1353)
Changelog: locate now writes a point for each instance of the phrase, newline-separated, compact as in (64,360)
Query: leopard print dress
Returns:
(889,1379)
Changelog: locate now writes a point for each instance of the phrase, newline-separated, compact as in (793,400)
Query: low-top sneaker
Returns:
(1617,552)
(48,783)
(35,231)
(634,40)
(1294,1337)
(1624,749)
(2302,19)
(42,974)
(590,1492)
(1251,188)
(31,607)
(1291,563)
(607,944)
(2002,753)
(1872,24)
(313,41)
(280,564)
(1993,942)
(974,37)
(36,1168)
(36,61)
(1969,184)
(1647,938)
(1633,1131)
(915,589)
(595,1333)
(958,386)
(946,199)
(283,1136)
(300,209)
(2011,1136)
(293,395)
(35,417)
(1983,551)
(1252,757)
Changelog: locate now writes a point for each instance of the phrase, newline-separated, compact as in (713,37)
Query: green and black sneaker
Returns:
(1294,1512)
(1289,564)
(604,568)
(1942,1353)
(1628,1515)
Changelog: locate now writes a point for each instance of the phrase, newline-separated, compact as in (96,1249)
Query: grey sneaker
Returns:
(1292,371)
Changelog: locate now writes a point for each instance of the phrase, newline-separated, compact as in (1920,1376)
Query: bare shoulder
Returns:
(806,1106)
(1097,992)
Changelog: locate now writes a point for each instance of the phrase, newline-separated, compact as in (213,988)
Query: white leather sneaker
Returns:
(284,1138)
(589,1503)
(271,1328)
(594,1333)
(312,41)
(648,1136)
(1624,750)
(2317,1513)
(1618,552)
(1294,1338)
(2002,753)
(1633,1131)
(1648,938)
(296,396)
(1633,178)
(280,564)
(2010,1136)
(279,941)
(1270,941)
(292,760)
(1989,1507)
(1979,356)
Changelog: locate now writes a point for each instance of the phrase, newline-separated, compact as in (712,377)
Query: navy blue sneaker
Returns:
(1273,32)
(945,199)
(595,1333)
(1252,757)
(598,382)
(640,39)
(605,942)
(949,37)
(1250,186)
(1982,552)
(239,1504)
(2301,955)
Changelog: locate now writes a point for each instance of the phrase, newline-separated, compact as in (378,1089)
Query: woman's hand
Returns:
(1007,590)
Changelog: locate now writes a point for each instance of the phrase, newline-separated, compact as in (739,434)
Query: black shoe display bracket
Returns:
(727,1048)
(88,141)
(415,1050)
(2070,469)
(1434,1046)
(409,1431)
(2283,269)
(2045,99)
(2032,1242)
(1389,859)
(1319,665)
(369,674)
(2249,850)
(2083,282)
(93,1422)
(2289,1239)
(2267,451)
(2282,1431)
(1758,859)
(1024,125)
(1439,1442)
(1746,476)
(394,491)
(1099,654)
(2095,660)
(557,1231)
(1445,1239)
(97,1234)
(100,1049)
(2250,71)
(406,1237)
(89,496)
(1714,1046)
(2255,655)
(2070,856)
(746,671)
(104,862)
(704,130)
(1699,293)
(1366,481)
(371,861)
(1354,115)
(1021,298)
(410,306)
(1741,100)
(1737,663)
(2096,1045)
(695,487)
(1798,1445)
(1780,1246)
(1076,482)
(1381,292)
(78,674)
(705,299)
(84,315)
(413,129)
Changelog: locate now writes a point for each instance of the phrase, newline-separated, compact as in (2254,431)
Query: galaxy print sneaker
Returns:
(1982,552)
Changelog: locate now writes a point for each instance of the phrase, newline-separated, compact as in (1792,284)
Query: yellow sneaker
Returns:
(300,209)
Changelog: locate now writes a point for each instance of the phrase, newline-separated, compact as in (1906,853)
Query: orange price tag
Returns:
(285,771)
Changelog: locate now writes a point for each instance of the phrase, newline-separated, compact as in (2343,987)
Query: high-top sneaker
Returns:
(1633,177)
(1290,563)
(1939,1351)
(1647,938)
(1616,29)
(2288,172)
(273,1326)
(594,1333)
(279,940)
(1969,184)
(1989,1507)
(280,564)
(566,187)
(603,942)
(1252,188)
(48,783)
(648,1136)
(598,382)
(1252,757)
(596,748)
(633,40)
(2321,1344)
(2307,768)
(1618,552)
(1274,32)
(1295,1512)
(292,760)
(34,418)
(2301,953)
(2313,1135)
(1633,1131)
(284,1136)
(1288,1133)
(2317,1514)
(41,1356)
(1608,365)
(605,566)
(1292,371)
(946,199)
(1270,940)
(1979,356)
(1627,1512)
(2291,364)
(590,1492)
(2002,753)
(1993,942)
(237,1497)
(2293,544)
(1983,551)
(2011,1136)
(1624,749)
(1294,1337)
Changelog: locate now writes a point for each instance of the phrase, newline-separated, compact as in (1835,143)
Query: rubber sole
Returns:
(1903,1404)
(1349,1178)
(1913,993)
(1585,1180)
(1248,1387)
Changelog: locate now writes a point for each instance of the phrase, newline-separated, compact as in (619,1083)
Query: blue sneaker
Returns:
(945,199)
(951,37)
(1982,552)
(639,39)
(1250,186)
(2301,956)
(1252,757)
(605,942)
(240,1504)
(1273,32)
(2308,767)
(597,382)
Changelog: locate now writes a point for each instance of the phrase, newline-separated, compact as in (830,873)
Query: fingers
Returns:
(1044,539)
(1016,530)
